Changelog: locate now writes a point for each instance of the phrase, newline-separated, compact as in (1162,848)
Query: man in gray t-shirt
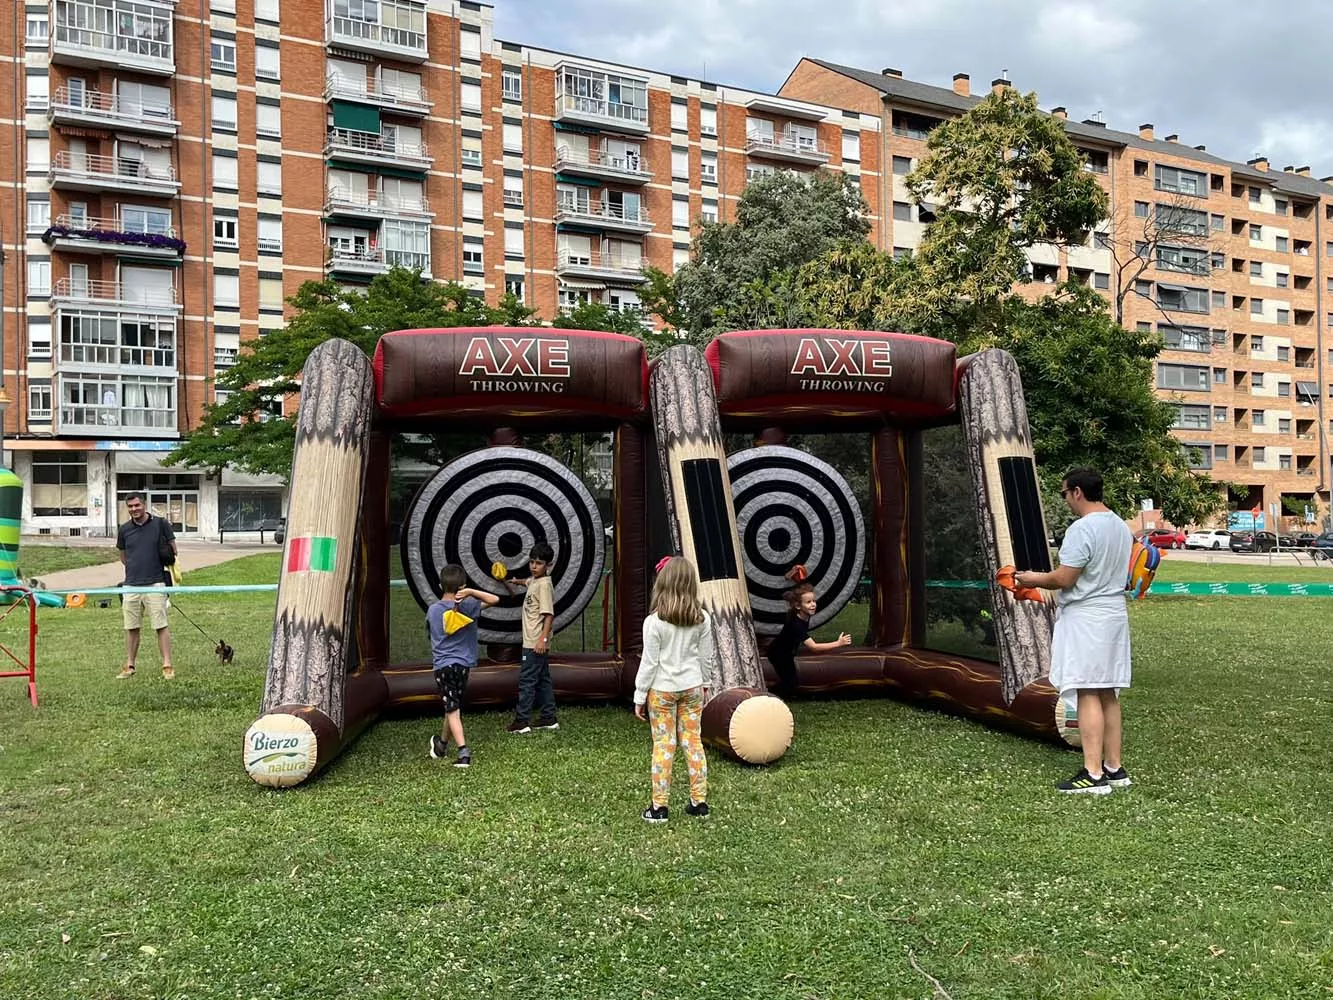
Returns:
(142,541)
(1090,656)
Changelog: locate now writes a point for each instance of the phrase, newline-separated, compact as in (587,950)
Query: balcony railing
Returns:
(376,148)
(787,147)
(96,107)
(86,233)
(411,100)
(599,263)
(374,260)
(93,171)
(375,203)
(599,163)
(1305,471)
(113,293)
(382,39)
(604,215)
(118,33)
(594,109)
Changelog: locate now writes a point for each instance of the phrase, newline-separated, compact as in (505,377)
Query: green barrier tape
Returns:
(1187,589)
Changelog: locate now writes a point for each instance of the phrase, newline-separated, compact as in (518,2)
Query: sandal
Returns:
(126,671)
(168,673)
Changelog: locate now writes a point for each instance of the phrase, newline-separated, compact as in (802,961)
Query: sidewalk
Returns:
(190,555)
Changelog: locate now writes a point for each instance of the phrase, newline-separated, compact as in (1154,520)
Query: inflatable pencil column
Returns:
(311,706)
(1007,502)
(11,523)
(749,724)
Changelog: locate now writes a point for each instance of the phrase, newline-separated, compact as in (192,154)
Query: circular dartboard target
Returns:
(793,508)
(491,506)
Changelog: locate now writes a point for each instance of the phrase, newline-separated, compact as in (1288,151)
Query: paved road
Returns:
(1300,557)
(190,554)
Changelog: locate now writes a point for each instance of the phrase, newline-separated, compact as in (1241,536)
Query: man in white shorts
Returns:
(1090,647)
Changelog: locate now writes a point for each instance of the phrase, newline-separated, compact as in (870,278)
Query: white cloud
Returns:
(1297,140)
(1079,28)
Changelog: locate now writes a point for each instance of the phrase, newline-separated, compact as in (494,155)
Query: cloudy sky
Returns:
(1240,79)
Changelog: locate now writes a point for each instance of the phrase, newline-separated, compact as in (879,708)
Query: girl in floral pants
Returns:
(677,656)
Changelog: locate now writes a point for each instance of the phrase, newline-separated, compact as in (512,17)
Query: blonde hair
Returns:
(676,593)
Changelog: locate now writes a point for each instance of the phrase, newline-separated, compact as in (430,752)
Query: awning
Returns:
(585,181)
(150,462)
(357,117)
(374,168)
(581,129)
(1310,389)
(232,479)
(126,258)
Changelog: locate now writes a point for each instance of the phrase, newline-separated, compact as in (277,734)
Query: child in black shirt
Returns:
(795,637)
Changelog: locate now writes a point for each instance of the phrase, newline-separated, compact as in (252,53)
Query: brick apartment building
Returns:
(166,183)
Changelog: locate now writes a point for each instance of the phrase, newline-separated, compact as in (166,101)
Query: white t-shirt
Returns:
(1100,544)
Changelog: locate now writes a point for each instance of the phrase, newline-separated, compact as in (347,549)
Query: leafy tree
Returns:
(741,275)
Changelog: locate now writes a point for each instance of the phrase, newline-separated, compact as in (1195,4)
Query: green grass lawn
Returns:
(139,861)
(38,560)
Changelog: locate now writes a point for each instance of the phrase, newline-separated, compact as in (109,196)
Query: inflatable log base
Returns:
(748,725)
(311,704)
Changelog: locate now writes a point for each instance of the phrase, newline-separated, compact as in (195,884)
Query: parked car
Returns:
(1322,546)
(1164,538)
(1208,540)
(1253,541)
(1304,540)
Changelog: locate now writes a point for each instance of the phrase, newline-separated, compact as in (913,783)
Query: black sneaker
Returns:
(1084,784)
(439,748)
(1116,777)
(547,724)
(464,757)
(517,727)
(697,809)
(655,814)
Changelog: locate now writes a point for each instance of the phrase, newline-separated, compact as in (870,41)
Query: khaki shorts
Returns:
(155,604)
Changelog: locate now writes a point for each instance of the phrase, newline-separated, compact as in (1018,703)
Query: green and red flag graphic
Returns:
(312,554)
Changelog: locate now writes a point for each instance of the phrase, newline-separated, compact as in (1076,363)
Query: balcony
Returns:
(374,205)
(402,100)
(116,405)
(121,34)
(584,96)
(1305,470)
(67,292)
(788,148)
(400,32)
(81,234)
(599,264)
(375,149)
(602,215)
(88,172)
(94,109)
(366,262)
(601,164)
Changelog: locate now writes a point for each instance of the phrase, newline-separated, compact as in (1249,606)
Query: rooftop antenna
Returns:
(1004,74)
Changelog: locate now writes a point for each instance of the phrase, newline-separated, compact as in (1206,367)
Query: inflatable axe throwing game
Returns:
(745,519)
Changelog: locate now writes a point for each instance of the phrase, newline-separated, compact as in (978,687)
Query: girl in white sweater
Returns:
(677,656)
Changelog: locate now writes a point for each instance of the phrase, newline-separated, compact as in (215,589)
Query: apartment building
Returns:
(1239,279)
(167,179)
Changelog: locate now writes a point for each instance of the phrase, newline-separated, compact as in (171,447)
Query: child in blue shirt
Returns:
(453,647)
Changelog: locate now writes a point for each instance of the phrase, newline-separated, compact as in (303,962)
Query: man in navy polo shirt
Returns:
(141,541)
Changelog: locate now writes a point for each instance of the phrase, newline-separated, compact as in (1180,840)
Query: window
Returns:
(1260,454)
(39,402)
(268,120)
(1219,414)
(266,62)
(753,171)
(680,163)
(1218,261)
(1284,353)
(1256,269)
(1186,338)
(270,290)
(514,287)
(1191,260)
(1257,344)
(39,92)
(1182,377)
(1193,417)
(708,213)
(902,165)
(513,138)
(270,235)
(1284,389)
(1140,168)
(708,167)
(1220,452)
(39,154)
(512,84)
(39,216)
(267,10)
(680,214)
(1284,461)
(1219,222)
(471,157)
(269,177)
(902,212)
(1256,233)
(1283,317)
(513,192)
(1179,298)
(39,337)
(224,234)
(1257,382)
(39,277)
(1181,181)
(1281,244)
(223,55)
(59,485)
(1282,279)
(851,146)
(1140,209)
(680,256)
(472,263)
(1219,300)
(226,290)
(38,30)
(1256,307)
(680,117)
(1175,219)
(472,205)
(469,43)
(1280,206)
(513,242)
(471,97)
(1219,375)
(707,121)
(224,112)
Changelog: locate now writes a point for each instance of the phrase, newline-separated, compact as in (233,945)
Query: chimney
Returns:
(1303,171)
(897,74)
(1060,113)
(1094,123)
(1173,137)
(1259,163)
(1201,147)
(999,85)
(1288,169)
(962,84)
(1145,131)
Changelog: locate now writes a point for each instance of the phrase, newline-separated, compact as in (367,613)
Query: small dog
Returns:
(224,652)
